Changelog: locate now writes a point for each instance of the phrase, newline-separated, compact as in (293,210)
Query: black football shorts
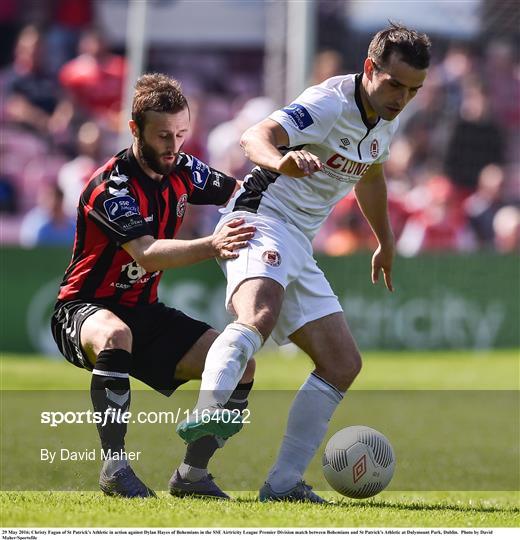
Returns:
(161,336)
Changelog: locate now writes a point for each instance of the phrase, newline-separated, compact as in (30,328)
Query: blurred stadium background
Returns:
(66,73)
(67,69)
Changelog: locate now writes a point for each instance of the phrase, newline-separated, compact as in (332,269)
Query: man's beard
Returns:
(152,159)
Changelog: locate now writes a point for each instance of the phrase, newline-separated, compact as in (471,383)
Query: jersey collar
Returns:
(359,103)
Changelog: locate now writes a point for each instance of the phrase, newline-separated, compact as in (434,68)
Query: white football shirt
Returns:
(329,121)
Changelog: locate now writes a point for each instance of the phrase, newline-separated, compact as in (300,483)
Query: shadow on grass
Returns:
(411,506)
(421,506)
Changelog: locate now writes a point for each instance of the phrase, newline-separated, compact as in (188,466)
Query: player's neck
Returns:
(149,172)
(370,113)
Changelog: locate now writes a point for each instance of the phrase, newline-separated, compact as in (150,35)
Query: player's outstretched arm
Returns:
(372,199)
(261,143)
(153,254)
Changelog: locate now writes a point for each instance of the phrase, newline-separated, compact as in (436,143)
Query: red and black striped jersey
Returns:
(121,203)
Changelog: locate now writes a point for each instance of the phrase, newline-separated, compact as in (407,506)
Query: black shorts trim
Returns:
(161,336)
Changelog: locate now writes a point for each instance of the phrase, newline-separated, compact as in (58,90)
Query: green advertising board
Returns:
(440,301)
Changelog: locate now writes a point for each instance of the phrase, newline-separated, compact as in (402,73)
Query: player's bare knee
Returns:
(257,303)
(348,370)
(108,332)
(264,320)
(355,363)
(265,324)
(341,372)
(118,337)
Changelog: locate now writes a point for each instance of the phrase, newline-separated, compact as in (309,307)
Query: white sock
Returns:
(225,364)
(307,424)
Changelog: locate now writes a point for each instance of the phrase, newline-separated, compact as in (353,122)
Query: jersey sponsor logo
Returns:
(181,205)
(133,271)
(118,285)
(132,223)
(119,207)
(347,166)
(340,177)
(374,148)
(345,143)
(299,115)
(199,172)
(272,257)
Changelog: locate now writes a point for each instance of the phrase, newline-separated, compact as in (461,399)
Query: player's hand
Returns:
(299,163)
(382,261)
(233,236)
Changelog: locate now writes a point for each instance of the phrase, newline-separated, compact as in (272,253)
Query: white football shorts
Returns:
(281,252)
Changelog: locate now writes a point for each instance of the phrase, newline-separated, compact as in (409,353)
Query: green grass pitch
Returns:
(449,372)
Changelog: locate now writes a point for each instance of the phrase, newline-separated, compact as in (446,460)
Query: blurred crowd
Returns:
(453,175)
(454,169)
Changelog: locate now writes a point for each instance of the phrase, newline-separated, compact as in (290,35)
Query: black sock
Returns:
(110,389)
(199,452)
(238,399)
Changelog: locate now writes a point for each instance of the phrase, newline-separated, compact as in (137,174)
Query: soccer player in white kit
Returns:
(334,137)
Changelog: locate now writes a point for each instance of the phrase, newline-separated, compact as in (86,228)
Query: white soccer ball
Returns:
(358,462)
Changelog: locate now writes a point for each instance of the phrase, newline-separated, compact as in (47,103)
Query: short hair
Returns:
(411,46)
(156,92)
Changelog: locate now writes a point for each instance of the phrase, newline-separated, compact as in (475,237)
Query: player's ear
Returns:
(368,68)
(134,129)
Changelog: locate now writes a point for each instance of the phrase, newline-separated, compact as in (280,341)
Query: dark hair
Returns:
(411,46)
(159,93)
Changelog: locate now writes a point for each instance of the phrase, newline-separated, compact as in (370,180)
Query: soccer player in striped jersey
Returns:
(108,319)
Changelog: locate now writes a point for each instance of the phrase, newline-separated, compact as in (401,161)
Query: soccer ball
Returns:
(358,462)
